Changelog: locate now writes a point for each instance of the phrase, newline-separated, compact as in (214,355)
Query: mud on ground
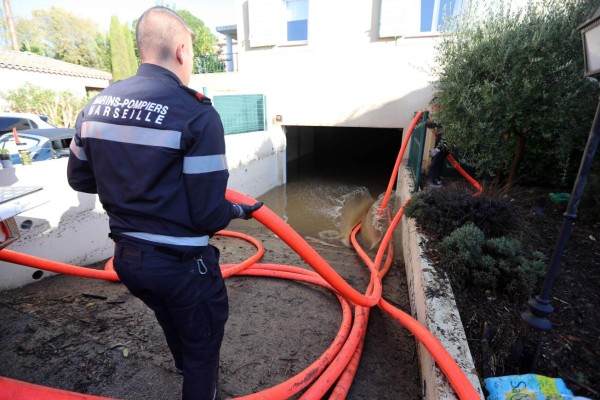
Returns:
(93,337)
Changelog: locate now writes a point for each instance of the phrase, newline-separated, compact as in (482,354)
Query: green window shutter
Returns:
(241,113)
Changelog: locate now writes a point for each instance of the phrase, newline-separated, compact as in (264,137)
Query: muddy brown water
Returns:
(93,337)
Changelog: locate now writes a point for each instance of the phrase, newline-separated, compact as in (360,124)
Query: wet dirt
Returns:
(93,337)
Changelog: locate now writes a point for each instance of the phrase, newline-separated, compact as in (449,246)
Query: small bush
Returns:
(521,276)
(438,212)
(497,264)
(503,247)
(463,256)
(466,242)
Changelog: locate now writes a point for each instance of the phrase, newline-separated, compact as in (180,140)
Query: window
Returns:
(241,113)
(434,12)
(61,147)
(275,22)
(404,17)
(27,142)
(297,20)
(8,123)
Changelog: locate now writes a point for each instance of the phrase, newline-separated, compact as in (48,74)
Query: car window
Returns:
(9,143)
(8,123)
(61,146)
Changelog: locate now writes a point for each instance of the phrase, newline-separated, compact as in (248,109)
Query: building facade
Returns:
(367,63)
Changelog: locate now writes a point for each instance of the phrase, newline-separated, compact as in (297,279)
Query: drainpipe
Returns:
(228,41)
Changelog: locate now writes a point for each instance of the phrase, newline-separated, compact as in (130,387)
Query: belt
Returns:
(174,240)
(134,248)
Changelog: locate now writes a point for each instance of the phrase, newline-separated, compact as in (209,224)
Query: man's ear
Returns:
(179,54)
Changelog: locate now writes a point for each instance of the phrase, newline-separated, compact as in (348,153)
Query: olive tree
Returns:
(511,88)
(60,34)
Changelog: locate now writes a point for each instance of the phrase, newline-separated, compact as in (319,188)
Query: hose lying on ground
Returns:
(339,362)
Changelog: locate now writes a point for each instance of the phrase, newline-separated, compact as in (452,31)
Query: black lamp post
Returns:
(540,307)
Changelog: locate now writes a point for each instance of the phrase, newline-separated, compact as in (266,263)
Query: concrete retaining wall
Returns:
(433,305)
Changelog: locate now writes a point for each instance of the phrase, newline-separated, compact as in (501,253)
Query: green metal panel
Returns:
(242,113)
(417,146)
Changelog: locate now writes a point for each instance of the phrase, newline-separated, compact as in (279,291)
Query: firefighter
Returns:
(153,150)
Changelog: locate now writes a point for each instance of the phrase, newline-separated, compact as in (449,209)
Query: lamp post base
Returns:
(539,309)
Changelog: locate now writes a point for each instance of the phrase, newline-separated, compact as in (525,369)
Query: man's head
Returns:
(164,39)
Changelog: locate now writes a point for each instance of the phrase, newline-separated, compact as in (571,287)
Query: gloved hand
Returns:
(434,152)
(245,210)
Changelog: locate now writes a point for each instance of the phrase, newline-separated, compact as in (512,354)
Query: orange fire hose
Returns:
(300,381)
(403,147)
(464,173)
(343,355)
(11,389)
(54,266)
(272,221)
(461,170)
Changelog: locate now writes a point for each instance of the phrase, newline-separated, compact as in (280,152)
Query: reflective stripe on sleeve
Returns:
(77,151)
(131,134)
(204,164)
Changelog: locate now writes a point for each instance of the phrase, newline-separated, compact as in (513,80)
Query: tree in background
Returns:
(60,34)
(511,89)
(205,41)
(103,43)
(123,60)
(60,107)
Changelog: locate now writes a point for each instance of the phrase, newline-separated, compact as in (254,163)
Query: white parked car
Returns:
(43,144)
(22,121)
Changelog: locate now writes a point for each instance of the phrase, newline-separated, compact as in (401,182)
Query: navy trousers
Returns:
(185,289)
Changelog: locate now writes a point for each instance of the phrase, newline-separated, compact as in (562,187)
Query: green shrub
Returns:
(496,264)
(463,256)
(521,276)
(503,247)
(440,212)
(466,243)
(511,91)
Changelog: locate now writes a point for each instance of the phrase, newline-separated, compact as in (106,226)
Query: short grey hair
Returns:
(156,30)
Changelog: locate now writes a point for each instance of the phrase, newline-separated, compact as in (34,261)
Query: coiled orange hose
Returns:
(341,358)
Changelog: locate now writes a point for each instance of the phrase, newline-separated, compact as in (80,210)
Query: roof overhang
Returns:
(228,30)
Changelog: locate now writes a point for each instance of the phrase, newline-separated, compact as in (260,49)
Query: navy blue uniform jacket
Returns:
(154,151)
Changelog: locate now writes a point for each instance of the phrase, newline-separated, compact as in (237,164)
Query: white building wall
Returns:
(343,76)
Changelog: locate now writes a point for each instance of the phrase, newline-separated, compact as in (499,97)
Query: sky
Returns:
(212,12)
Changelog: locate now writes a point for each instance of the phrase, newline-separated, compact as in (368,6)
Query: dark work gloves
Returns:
(244,210)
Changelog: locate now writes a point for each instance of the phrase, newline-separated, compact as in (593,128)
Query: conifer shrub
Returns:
(496,264)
